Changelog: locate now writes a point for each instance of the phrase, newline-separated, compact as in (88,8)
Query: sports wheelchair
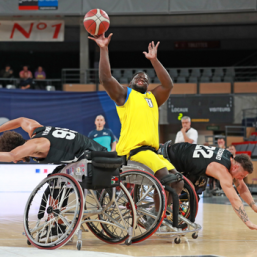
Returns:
(87,192)
(176,220)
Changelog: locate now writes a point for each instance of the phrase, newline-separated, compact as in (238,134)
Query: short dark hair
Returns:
(245,162)
(10,140)
(141,71)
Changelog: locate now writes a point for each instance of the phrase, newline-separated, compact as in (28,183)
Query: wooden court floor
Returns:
(223,234)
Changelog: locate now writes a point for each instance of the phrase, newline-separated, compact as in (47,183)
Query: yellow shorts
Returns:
(152,160)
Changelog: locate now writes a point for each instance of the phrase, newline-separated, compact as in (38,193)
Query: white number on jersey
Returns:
(149,101)
(64,133)
(207,153)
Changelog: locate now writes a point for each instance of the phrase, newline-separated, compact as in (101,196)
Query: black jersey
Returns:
(193,159)
(67,146)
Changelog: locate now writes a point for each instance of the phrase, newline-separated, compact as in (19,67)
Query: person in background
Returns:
(232,149)
(221,143)
(26,78)
(7,73)
(40,75)
(102,135)
(186,134)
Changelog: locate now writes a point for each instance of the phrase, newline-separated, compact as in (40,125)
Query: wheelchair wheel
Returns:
(53,211)
(120,213)
(187,199)
(146,189)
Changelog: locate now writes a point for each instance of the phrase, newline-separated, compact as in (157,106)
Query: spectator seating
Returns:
(207,72)
(184,73)
(173,73)
(205,79)
(156,80)
(181,80)
(216,79)
(218,72)
(124,80)
(128,73)
(192,79)
(230,72)
(228,79)
(116,74)
(247,147)
(195,73)
(245,152)
(151,74)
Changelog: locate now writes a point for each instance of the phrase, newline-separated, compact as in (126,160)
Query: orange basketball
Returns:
(96,22)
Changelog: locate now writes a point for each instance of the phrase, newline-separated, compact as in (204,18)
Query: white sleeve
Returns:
(194,136)
(177,137)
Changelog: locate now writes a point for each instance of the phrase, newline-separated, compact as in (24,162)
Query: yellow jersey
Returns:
(139,118)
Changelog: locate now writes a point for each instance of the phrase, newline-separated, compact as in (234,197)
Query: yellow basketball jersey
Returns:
(139,118)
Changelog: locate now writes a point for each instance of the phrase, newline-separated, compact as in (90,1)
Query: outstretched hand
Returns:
(152,51)
(101,40)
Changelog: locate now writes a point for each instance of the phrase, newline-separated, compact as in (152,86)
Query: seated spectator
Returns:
(6,73)
(221,142)
(232,149)
(26,78)
(40,75)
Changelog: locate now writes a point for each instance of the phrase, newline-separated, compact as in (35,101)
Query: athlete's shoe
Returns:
(53,235)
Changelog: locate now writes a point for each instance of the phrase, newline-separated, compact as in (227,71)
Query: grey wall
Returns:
(135,7)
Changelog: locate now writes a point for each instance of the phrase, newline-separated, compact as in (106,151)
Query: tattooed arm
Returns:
(235,201)
(245,193)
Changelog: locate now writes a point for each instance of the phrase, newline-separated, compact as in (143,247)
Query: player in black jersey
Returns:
(46,144)
(198,160)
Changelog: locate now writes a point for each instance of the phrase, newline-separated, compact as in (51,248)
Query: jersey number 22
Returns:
(205,151)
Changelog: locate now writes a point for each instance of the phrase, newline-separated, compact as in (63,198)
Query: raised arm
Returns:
(162,92)
(26,124)
(115,90)
(245,193)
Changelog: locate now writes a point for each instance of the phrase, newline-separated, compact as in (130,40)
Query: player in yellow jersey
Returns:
(138,112)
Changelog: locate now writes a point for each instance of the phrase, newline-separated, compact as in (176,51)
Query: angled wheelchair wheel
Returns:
(53,211)
(146,190)
(116,222)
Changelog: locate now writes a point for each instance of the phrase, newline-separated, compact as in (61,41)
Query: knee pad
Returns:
(170,178)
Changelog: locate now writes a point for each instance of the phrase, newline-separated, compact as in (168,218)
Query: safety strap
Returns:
(170,178)
(141,148)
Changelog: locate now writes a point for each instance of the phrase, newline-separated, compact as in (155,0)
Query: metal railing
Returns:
(45,82)
(188,75)
(239,131)
(250,117)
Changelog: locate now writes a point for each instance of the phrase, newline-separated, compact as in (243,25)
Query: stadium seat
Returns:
(216,79)
(244,147)
(156,80)
(230,72)
(128,73)
(192,80)
(207,72)
(195,73)
(151,73)
(205,79)
(124,80)
(184,73)
(250,147)
(116,74)
(252,138)
(249,153)
(254,152)
(181,80)
(173,73)
(238,147)
(228,79)
(218,72)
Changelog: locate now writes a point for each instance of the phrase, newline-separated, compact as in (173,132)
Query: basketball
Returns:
(96,22)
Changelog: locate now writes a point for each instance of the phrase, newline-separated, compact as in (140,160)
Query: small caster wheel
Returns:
(28,242)
(194,236)
(79,244)
(177,240)
(127,242)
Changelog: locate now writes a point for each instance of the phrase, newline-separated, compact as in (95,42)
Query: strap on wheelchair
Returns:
(170,178)
(141,148)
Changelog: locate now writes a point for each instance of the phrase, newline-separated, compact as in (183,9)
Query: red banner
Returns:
(32,30)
